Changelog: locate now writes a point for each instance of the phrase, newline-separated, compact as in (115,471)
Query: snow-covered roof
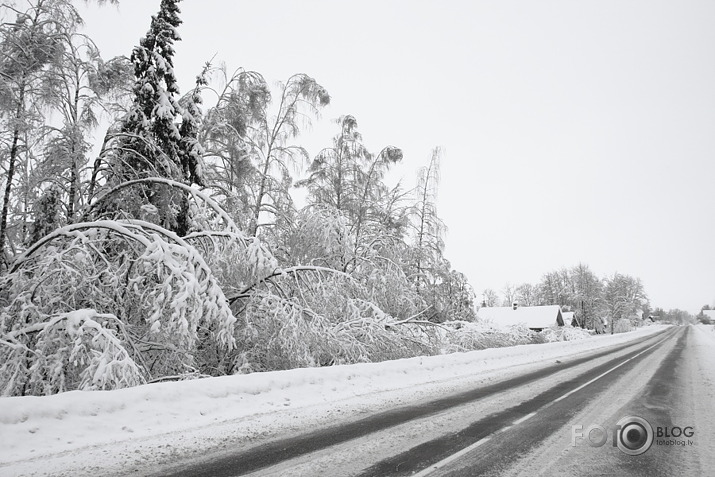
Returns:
(535,317)
(710,314)
(568,317)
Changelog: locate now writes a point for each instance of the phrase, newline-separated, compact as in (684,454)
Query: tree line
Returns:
(612,303)
(602,304)
(178,251)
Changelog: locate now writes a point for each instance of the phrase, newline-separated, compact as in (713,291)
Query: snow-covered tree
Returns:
(320,235)
(490,298)
(335,173)
(253,148)
(588,298)
(151,301)
(556,288)
(526,294)
(453,296)
(151,142)
(191,151)
(29,42)
(347,178)
(75,89)
(577,289)
(427,227)
(129,273)
(36,41)
(375,213)
(623,296)
(301,96)
(509,294)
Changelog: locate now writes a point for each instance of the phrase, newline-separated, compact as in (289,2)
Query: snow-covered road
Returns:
(671,386)
(154,428)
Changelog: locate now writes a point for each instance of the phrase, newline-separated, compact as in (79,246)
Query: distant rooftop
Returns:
(534,317)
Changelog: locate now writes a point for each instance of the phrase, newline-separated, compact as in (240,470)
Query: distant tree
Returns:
(527,294)
(703,318)
(587,297)
(576,288)
(427,227)
(554,288)
(623,296)
(658,314)
(490,298)
(510,295)
(678,317)
(454,296)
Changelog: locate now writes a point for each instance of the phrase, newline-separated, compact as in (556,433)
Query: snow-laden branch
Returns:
(75,231)
(229,223)
(282,272)
(93,357)
(163,296)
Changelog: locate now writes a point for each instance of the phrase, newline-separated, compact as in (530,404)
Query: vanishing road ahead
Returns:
(532,423)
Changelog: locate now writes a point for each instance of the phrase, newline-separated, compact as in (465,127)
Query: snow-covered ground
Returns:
(106,431)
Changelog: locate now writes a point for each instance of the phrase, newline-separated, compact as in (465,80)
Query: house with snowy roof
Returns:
(569,318)
(533,317)
(710,314)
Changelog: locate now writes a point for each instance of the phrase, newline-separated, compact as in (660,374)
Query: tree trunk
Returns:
(261,193)
(74,173)
(72,192)
(10,173)
(96,167)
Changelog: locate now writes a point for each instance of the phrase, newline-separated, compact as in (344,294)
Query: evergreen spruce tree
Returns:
(153,143)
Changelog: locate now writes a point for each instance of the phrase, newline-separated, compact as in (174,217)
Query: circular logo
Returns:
(635,435)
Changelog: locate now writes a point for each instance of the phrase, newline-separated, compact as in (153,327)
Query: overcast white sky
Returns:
(573,131)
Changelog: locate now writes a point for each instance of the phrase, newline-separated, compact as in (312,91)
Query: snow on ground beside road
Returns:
(698,399)
(79,421)
(705,337)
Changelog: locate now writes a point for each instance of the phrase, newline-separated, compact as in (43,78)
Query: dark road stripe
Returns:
(656,406)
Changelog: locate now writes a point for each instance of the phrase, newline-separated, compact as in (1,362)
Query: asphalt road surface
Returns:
(560,419)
